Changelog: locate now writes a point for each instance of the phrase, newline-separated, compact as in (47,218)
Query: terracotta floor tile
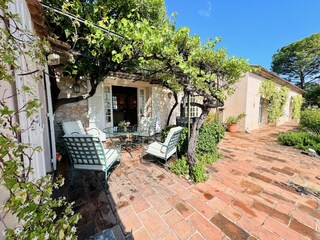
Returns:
(202,207)
(170,236)
(153,223)
(141,234)
(172,217)
(205,228)
(247,194)
(183,230)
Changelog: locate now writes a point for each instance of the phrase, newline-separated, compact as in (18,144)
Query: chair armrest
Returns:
(94,129)
(162,147)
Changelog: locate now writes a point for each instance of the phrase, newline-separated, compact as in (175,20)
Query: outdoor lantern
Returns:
(53,59)
(76,87)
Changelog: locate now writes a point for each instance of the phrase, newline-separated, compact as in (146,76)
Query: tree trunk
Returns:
(191,154)
(302,80)
(173,107)
(61,101)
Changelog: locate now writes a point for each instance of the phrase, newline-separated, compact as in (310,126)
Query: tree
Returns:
(103,42)
(181,62)
(312,94)
(153,47)
(299,62)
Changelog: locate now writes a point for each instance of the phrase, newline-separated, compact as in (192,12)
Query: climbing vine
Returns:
(276,99)
(39,216)
(296,106)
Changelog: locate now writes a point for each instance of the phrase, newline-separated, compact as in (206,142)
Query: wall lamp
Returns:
(53,59)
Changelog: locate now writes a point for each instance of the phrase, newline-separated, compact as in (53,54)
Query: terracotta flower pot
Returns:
(232,128)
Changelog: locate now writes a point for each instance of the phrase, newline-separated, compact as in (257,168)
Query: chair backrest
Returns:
(73,127)
(172,138)
(84,149)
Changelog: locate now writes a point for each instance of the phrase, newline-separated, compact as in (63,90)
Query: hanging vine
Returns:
(296,106)
(276,99)
(38,215)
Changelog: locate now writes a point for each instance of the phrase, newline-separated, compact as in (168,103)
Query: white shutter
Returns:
(96,111)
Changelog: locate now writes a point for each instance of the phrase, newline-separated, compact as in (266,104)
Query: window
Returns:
(194,110)
(108,103)
(114,102)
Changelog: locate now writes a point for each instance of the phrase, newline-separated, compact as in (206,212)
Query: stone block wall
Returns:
(70,111)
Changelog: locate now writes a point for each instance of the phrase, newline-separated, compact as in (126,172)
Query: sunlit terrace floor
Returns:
(257,190)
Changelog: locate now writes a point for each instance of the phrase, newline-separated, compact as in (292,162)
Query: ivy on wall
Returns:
(276,99)
(296,106)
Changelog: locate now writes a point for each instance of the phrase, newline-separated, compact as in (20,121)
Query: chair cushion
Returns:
(158,150)
(73,127)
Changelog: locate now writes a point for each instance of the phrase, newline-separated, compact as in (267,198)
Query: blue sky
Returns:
(252,29)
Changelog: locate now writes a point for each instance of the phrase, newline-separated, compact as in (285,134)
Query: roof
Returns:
(35,10)
(262,72)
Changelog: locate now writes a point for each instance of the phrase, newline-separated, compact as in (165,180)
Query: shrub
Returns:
(180,167)
(296,106)
(199,172)
(301,140)
(209,136)
(209,158)
(310,118)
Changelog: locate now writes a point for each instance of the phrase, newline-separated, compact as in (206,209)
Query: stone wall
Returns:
(71,111)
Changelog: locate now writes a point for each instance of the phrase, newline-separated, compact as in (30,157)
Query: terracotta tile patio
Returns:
(257,190)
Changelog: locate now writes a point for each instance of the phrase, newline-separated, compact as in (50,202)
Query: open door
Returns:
(124,104)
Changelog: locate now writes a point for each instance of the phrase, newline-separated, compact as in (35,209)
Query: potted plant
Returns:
(124,125)
(232,122)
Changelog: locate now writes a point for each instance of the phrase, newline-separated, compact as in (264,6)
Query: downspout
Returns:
(50,117)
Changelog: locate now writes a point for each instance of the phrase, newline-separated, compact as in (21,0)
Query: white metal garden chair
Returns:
(166,149)
(76,127)
(87,152)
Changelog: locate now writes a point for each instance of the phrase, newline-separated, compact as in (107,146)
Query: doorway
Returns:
(263,112)
(124,102)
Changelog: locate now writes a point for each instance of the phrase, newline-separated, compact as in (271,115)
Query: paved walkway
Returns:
(257,190)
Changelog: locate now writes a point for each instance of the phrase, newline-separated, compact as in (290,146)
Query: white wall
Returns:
(37,134)
(253,102)
(236,103)
(247,99)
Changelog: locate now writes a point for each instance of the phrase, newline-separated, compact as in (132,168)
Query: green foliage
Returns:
(30,200)
(267,89)
(180,167)
(199,172)
(312,94)
(209,158)
(302,140)
(299,61)
(296,106)
(235,119)
(310,118)
(209,136)
(151,44)
(276,98)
